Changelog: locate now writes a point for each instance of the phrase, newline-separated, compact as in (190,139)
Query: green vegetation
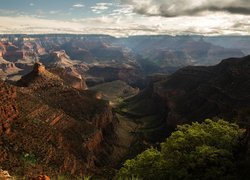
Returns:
(148,112)
(66,177)
(29,159)
(198,151)
(115,91)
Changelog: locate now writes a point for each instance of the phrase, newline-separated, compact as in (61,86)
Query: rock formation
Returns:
(41,177)
(60,59)
(129,73)
(4,175)
(196,93)
(8,109)
(151,54)
(59,129)
(39,76)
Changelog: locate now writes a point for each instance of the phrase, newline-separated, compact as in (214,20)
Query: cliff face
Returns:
(64,131)
(129,73)
(59,63)
(196,93)
(71,77)
(59,129)
(12,53)
(8,109)
(146,54)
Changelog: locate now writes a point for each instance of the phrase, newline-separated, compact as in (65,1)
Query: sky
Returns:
(126,17)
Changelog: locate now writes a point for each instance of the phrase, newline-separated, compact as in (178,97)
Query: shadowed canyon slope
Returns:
(196,93)
(193,94)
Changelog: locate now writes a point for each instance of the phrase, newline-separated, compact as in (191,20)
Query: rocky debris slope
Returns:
(60,130)
(8,109)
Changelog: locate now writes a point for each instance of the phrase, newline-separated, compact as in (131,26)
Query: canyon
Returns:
(128,59)
(47,126)
(78,105)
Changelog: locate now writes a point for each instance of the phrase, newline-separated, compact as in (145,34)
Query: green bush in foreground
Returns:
(198,151)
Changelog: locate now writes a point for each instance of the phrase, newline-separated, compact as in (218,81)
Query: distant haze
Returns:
(126,17)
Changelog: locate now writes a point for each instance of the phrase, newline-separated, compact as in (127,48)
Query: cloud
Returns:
(54,12)
(126,10)
(173,8)
(100,7)
(78,5)
(34,25)
(32,4)
(218,23)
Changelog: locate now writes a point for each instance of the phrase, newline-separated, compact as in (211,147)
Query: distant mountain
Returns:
(235,42)
(180,51)
(152,54)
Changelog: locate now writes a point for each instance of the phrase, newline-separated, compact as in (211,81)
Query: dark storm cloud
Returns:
(173,8)
(238,10)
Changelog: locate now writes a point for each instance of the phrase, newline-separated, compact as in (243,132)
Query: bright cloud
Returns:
(218,23)
(132,17)
(78,5)
(100,7)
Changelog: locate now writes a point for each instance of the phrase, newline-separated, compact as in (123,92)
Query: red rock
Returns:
(39,68)
(42,177)
(8,108)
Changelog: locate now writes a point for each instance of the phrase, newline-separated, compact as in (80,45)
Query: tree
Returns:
(197,151)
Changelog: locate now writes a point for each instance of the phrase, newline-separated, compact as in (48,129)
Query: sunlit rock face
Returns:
(39,68)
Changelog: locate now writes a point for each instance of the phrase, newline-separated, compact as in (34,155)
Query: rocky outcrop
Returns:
(59,63)
(41,177)
(6,65)
(70,76)
(13,53)
(39,77)
(8,109)
(60,59)
(129,73)
(39,68)
(7,68)
(4,175)
(59,129)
